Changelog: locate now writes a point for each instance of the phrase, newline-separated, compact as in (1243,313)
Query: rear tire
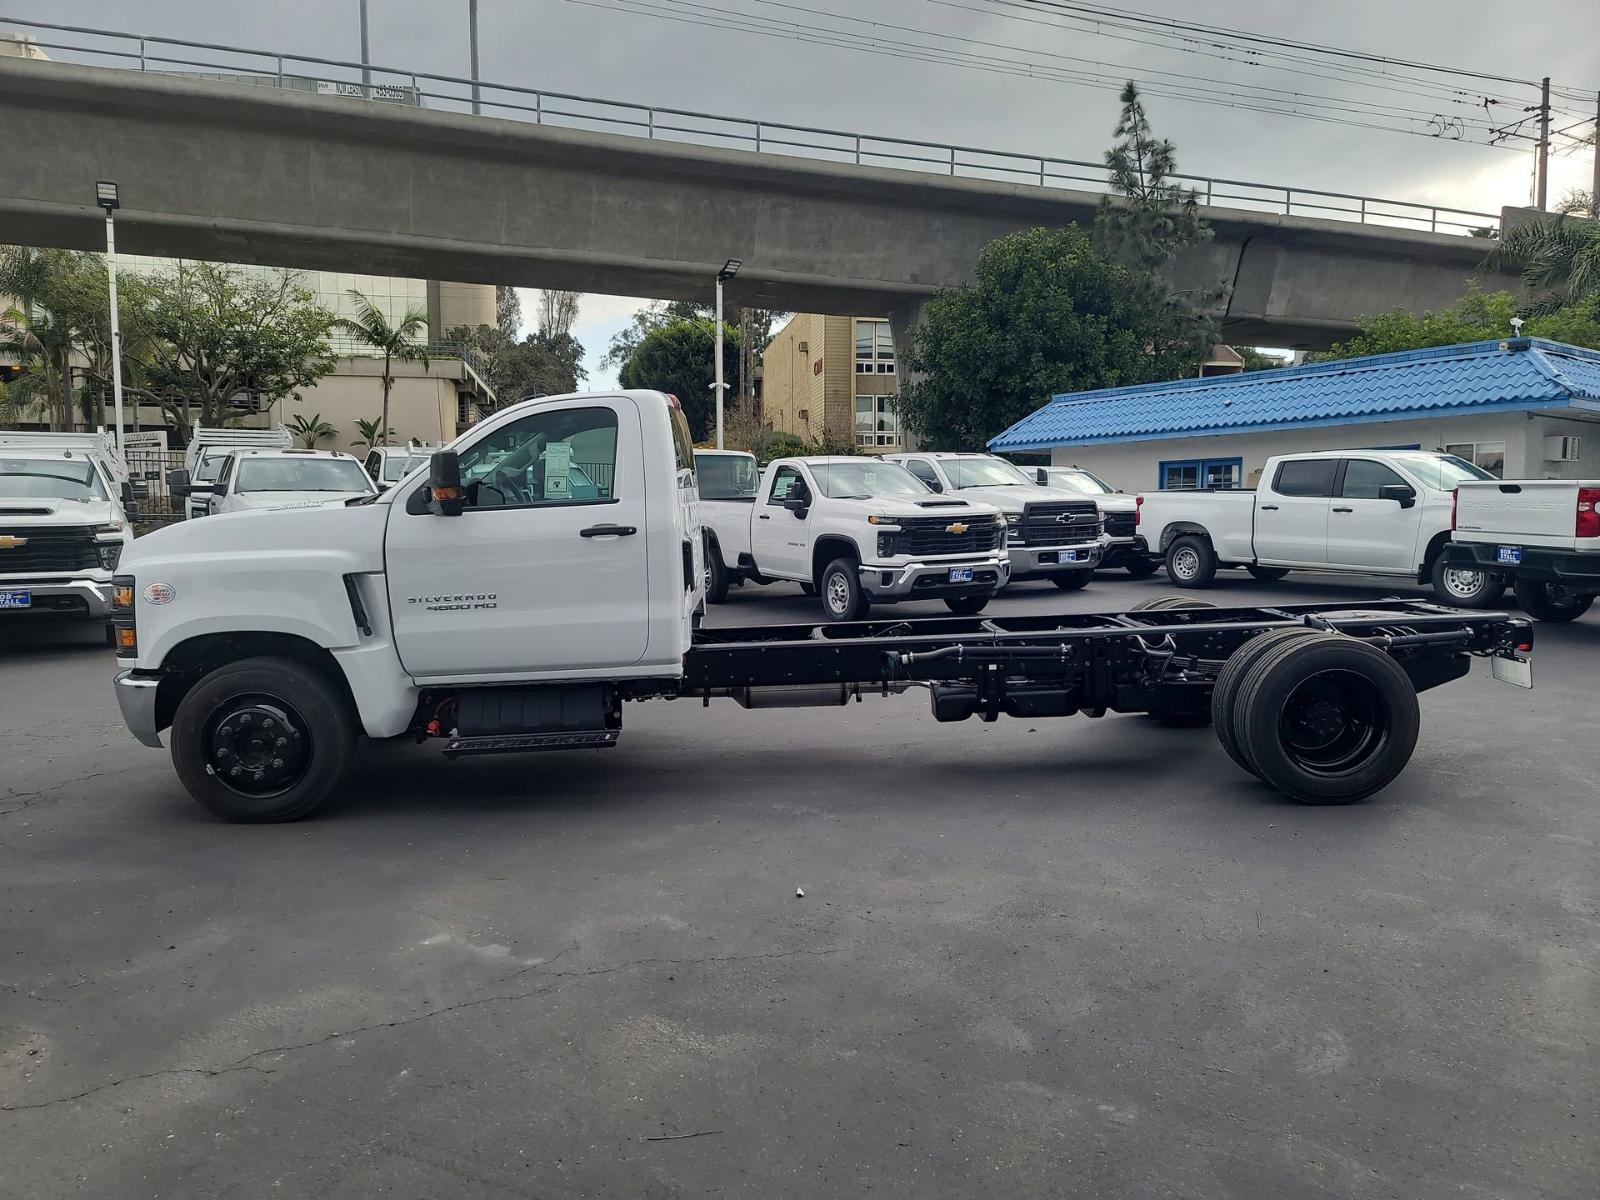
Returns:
(716,573)
(966,606)
(1170,603)
(1267,574)
(1326,719)
(1191,562)
(1464,588)
(1550,602)
(262,739)
(843,598)
(1226,690)
(1141,567)
(1071,581)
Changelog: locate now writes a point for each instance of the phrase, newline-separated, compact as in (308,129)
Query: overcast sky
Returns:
(864,82)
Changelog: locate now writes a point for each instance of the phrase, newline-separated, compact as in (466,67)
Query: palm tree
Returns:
(369,429)
(311,431)
(396,340)
(1559,257)
(44,350)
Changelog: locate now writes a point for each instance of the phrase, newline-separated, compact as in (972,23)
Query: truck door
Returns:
(545,569)
(1365,531)
(1291,517)
(779,542)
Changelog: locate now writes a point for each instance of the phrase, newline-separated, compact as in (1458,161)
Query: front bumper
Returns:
(1047,560)
(136,697)
(1579,573)
(1121,550)
(930,580)
(58,596)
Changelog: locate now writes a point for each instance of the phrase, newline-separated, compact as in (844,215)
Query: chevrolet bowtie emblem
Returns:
(7,542)
(958,527)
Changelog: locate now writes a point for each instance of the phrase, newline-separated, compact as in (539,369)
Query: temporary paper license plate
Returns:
(1508,554)
(1512,670)
(16,599)
(960,574)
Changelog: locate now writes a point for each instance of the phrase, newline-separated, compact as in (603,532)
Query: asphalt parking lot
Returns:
(1057,958)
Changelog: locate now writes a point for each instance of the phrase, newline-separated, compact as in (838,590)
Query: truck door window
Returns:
(785,481)
(923,470)
(1365,479)
(564,457)
(373,461)
(1306,477)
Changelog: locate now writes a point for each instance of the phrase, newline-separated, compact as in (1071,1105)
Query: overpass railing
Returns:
(393,85)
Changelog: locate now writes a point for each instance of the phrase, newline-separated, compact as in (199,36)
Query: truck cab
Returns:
(277,478)
(387,465)
(207,450)
(1052,534)
(1123,546)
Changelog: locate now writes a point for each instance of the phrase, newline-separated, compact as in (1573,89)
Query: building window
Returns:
(875,423)
(1490,456)
(1200,473)
(874,347)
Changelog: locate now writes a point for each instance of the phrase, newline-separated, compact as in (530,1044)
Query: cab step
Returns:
(522,743)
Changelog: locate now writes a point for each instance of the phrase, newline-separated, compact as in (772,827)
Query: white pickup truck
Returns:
(1542,536)
(276,478)
(1124,547)
(208,447)
(545,572)
(1366,512)
(857,531)
(66,511)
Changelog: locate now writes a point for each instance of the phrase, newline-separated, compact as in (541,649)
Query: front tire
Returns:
(843,597)
(1464,588)
(966,606)
(262,739)
(716,574)
(1550,601)
(1071,581)
(1191,562)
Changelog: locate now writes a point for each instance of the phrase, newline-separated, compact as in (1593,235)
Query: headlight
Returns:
(110,527)
(110,553)
(1013,518)
(886,545)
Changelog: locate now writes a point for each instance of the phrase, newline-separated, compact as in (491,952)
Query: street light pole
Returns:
(729,270)
(472,33)
(105,194)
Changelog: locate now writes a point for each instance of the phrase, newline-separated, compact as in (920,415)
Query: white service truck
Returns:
(1051,534)
(208,447)
(1123,546)
(486,607)
(856,532)
(1363,512)
(66,519)
(1542,536)
(277,478)
(388,465)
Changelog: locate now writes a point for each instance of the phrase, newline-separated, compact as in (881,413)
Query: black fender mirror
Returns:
(444,484)
(798,505)
(1402,493)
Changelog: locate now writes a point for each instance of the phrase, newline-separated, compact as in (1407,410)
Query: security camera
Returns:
(1516,326)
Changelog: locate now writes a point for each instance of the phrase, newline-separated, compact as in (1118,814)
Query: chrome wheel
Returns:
(1186,563)
(838,593)
(1463,584)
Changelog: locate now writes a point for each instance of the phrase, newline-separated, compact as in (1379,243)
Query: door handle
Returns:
(1344,510)
(764,516)
(608,531)
(1269,508)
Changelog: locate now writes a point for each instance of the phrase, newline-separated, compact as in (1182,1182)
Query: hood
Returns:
(915,506)
(307,531)
(25,510)
(271,500)
(1114,503)
(1011,497)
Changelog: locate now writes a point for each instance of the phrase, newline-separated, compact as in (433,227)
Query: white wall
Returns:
(1133,466)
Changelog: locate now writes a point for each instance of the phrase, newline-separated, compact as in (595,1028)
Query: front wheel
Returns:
(262,739)
(1550,601)
(843,598)
(716,574)
(966,606)
(1463,587)
(1140,567)
(1071,581)
(1267,574)
(1191,563)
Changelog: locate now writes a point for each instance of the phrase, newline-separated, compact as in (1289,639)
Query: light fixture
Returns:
(105,194)
(729,268)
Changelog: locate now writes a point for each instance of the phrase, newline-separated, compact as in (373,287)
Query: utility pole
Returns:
(366,71)
(472,33)
(1594,187)
(1542,194)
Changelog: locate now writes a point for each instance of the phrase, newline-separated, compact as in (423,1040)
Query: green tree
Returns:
(677,359)
(61,316)
(309,430)
(395,340)
(1477,316)
(1047,314)
(1255,360)
(1559,258)
(539,365)
(1148,218)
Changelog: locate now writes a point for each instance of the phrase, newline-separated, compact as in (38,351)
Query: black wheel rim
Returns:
(1334,723)
(257,745)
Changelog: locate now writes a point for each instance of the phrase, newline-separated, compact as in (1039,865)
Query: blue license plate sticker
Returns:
(1508,554)
(960,574)
(16,599)
(1069,556)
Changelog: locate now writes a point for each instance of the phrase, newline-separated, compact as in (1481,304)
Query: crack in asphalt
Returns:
(248,1061)
(28,798)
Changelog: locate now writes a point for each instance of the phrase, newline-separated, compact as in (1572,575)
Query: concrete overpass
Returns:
(237,173)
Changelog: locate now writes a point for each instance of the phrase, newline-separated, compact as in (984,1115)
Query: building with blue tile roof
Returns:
(1521,408)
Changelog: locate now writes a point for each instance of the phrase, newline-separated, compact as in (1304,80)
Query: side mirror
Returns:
(444,484)
(383,487)
(798,504)
(178,482)
(1402,493)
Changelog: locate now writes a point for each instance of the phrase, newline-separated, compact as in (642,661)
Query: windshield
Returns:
(396,466)
(50,479)
(302,475)
(980,470)
(726,476)
(210,462)
(1078,480)
(865,479)
(1441,471)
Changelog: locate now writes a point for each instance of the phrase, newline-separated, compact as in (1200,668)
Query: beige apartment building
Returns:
(832,381)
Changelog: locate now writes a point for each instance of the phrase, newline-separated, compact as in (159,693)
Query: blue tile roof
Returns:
(1520,373)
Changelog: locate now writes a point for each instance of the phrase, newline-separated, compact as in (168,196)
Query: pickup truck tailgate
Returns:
(1532,512)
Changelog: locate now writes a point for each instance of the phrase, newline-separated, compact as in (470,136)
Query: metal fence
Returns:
(147,471)
(397,85)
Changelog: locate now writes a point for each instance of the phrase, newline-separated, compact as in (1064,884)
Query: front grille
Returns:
(931,535)
(48,548)
(1060,523)
(1120,525)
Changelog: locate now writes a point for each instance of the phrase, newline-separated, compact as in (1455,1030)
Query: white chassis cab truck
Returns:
(1052,534)
(857,532)
(1542,536)
(203,458)
(1360,512)
(500,604)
